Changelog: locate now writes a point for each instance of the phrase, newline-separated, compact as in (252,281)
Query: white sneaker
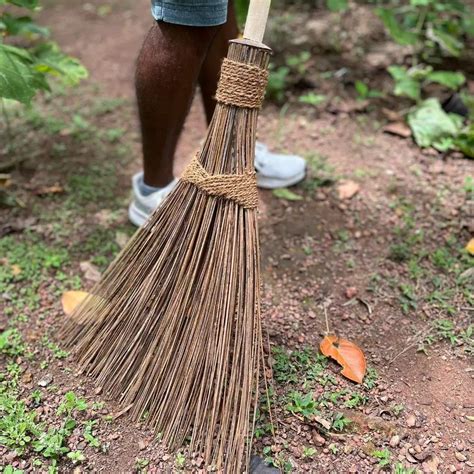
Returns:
(275,170)
(143,206)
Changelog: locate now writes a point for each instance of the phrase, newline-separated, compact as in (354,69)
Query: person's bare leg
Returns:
(167,72)
(209,76)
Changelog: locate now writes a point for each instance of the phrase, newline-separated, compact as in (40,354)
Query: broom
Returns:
(172,330)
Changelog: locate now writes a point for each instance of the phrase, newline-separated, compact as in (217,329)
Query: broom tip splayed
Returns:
(173,328)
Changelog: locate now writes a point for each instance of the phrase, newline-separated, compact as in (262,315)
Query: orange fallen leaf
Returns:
(43,191)
(16,269)
(347,354)
(347,189)
(71,299)
(470,247)
(400,129)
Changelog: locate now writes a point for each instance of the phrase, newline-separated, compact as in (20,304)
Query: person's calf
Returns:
(167,71)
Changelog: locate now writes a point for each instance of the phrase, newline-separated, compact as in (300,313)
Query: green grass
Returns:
(320,173)
(291,367)
(383,456)
(100,245)
(20,428)
(29,264)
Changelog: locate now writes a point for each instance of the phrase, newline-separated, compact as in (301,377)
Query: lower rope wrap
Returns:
(241,188)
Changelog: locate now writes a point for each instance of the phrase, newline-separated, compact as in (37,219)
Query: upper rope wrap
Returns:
(241,188)
(242,85)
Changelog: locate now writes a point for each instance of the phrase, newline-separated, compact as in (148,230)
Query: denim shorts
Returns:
(190,12)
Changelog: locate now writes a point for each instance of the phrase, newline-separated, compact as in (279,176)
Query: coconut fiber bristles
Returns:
(173,328)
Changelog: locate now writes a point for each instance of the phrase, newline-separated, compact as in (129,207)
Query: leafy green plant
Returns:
(432,126)
(312,99)
(337,5)
(401,469)
(340,422)
(370,379)
(286,194)
(25,71)
(305,364)
(309,452)
(408,298)
(11,343)
(355,400)
(71,403)
(76,456)
(17,424)
(410,82)
(141,464)
(430,27)
(300,404)
(279,461)
(89,435)
(284,76)
(54,348)
(52,444)
(433,29)
(365,92)
(383,456)
(180,460)
(12,470)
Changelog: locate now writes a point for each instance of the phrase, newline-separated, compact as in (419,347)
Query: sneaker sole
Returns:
(136,216)
(275,183)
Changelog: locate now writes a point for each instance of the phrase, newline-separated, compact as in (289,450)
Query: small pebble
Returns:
(46,380)
(411,421)
(394,441)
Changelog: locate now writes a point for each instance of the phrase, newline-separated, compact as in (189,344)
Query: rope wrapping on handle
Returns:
(241,188)
(242,85)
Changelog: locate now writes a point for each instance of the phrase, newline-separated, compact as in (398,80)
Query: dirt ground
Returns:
(386,265)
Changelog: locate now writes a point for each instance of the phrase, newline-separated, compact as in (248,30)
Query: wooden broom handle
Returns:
(256,20)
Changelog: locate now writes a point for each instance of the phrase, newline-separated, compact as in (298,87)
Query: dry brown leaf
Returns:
(16,269)
(392,115)
(91,272)
(71,299)
(121,238)
(347,354)
(5,180)
(347,189)
(400,129)
(43,191)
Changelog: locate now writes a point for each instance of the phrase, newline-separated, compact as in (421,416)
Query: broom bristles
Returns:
(173,328)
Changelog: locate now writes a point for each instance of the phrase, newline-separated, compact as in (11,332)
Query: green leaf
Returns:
(400,35)
(23,25)
(18,79)
(277,82)
(453,80)
(286,194)
(431,125)
(312,99)
(465,141)
(241,9)
(362,89)
(405,85)
(50,60)
(30,4)
(448,43)
(337,5)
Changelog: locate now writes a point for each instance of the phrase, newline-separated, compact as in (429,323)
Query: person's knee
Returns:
(180,40)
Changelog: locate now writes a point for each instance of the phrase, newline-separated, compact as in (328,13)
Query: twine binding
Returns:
(242,85)
(241,188)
